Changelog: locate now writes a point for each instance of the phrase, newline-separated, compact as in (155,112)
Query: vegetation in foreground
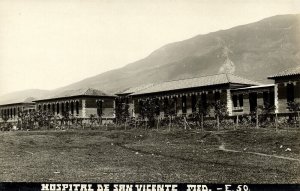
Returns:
(150,156)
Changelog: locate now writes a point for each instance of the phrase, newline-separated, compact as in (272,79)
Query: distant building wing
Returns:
(195,82)
(288,72)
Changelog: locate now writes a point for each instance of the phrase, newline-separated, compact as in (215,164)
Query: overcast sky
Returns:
(46,44)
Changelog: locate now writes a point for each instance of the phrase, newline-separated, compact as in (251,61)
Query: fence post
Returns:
(202,121)
(125,123)
(170,121)
(218,122)
(146,124)
(106,123)
(298,117)
(276,121)
(237,121)
(257,118)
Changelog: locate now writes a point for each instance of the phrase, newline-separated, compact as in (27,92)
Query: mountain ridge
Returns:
(253,51)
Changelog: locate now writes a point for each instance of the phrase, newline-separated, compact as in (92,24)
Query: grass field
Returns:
(253,156)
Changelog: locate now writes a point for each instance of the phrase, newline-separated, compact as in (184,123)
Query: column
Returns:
(229,102)
(276,98)
(83,108)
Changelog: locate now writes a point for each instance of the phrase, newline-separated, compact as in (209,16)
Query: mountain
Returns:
(23,96)
(253,51)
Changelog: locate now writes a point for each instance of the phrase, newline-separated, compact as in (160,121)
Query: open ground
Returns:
(136,155)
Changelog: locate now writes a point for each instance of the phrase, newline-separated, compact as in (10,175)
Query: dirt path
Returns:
(222,148)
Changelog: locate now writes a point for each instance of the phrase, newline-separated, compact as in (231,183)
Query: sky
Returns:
(47,44)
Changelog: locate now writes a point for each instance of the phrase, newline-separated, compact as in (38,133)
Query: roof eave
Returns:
(282,76)
(139,94)
(101,96)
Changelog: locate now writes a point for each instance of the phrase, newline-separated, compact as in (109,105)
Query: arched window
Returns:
(235,100)
(53,108)
(49,107)
(57,108)
(183,104)
(203,104)
(67,107)
(72,107)
(157,109)
(99,108)
(14,111)
(77,107)
(40,107)
(45,107)
(11,112)
(62,107)
(194,103)
(253,101)
(266,99)
(217,96)
(241,100)
(290,97)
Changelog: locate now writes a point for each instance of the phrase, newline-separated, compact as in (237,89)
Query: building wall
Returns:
(58,106)
(210,97)
(245,109)
(12,110)
(86,106)
(282,92)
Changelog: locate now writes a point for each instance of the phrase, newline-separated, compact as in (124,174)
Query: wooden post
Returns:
(157,123)
(218,122)
(202,124)
(184,121)
(298,117)
(125,123)
(276,121)
(237,122)
(257,119)
(170,121)
(106,123)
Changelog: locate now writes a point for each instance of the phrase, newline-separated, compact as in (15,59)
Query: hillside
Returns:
(253,51)
(23,96)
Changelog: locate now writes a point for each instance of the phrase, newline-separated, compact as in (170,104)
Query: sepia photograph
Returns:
(140,91)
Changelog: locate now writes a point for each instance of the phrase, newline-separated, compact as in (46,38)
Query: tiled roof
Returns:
(135,89)
(255,87)
(288,72)
(78,92)
(18,101)
(15,103)
(195,82)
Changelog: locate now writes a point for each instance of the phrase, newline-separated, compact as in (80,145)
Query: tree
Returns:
(265,112)
(220,111)
(122,110)
(5,118)
(66,118)
(92,119)
(21,119)
(202,110)
(148,111)
(294,107)
(79,121)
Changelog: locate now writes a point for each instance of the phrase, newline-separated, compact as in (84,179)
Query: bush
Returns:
(227,123)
